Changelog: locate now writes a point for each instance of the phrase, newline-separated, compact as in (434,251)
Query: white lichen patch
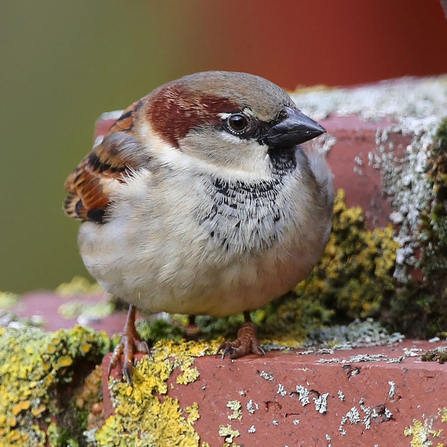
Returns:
(412,352)
(399,359)
(324,143)
(434,340)
(387,415)
(321,403)
(296,421)
(392,391)
(357,334)
(341,395)
(388,99)
(360,358)
(252,429)
(281,390)
(370,413)
(404,179)
(352,416)
(266,375)
(324,351)
(236,406)
(252,406)
(303,395)
(275,422)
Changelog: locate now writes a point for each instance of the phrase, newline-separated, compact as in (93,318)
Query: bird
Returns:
(200,200)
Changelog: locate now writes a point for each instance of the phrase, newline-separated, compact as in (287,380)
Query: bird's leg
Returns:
(245,343)
(191,328)
(129,344)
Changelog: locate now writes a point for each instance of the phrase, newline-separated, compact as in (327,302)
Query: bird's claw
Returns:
(129,344)
(246,343)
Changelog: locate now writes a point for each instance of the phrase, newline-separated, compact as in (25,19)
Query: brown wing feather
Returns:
(90,185)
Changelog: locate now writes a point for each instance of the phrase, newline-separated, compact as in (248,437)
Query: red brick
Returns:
(418,390)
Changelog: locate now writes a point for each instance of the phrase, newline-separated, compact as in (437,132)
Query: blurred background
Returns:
(64,63)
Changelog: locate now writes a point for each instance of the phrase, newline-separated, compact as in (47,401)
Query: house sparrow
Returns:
(199,200)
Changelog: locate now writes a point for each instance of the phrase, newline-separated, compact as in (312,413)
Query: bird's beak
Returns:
(297,128)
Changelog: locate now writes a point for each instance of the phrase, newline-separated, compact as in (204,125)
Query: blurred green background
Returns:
(64,63)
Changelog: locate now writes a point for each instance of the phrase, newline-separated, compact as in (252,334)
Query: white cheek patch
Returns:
(232,139)
(252,161)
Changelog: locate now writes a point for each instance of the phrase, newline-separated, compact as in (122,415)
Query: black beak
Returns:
(297,128)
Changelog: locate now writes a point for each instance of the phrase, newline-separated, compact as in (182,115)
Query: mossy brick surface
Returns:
(386,146)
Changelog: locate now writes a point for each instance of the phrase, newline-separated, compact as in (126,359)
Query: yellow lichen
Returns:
(193,411)
(79,286)
(355,272)
(423,432)
(236,406)
(228,433)
(65,361)
(141,416)
(419,433)
(39,410)
(76,309)
(33,364)
(189,375)
(8,299)
(17,408)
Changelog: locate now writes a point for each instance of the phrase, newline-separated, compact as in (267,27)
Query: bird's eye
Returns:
(237,122)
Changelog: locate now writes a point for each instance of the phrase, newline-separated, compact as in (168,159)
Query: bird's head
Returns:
(231,121)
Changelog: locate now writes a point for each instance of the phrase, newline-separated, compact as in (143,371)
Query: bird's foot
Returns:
(130,344)
(246,343)
(192,330)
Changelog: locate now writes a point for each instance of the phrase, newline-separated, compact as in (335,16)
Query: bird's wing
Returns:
(90,185)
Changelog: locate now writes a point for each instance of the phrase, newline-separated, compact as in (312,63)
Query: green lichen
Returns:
(36,368)
(58,437)
(155,330)
(435,355)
